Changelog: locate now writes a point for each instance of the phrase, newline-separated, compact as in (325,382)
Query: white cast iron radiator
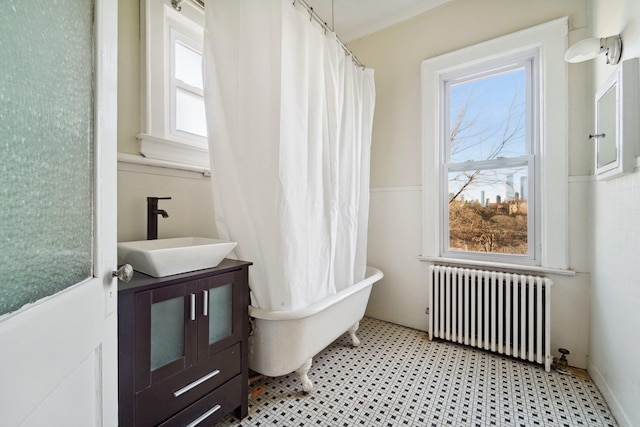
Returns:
(502,312)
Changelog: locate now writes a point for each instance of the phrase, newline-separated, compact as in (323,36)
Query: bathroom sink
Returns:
(164,257)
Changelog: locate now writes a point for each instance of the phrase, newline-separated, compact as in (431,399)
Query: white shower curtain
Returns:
(290,119)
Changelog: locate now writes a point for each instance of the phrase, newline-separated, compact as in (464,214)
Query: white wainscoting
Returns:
(395,241)
(395,232)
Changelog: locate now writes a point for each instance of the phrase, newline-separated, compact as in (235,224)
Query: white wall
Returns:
(395,220)
(614,351)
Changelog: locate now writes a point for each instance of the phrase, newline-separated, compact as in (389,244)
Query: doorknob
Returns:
(124,273)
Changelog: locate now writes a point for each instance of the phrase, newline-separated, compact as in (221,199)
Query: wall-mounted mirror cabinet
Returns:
(616,130)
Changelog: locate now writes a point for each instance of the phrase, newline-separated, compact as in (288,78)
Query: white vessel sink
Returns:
(164,257)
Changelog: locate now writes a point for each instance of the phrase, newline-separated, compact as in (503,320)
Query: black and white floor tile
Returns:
(397,377)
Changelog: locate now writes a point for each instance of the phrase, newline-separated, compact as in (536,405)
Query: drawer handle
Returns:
(193,306)
(204,416)
(196,383)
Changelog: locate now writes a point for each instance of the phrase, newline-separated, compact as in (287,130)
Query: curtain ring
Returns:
(177,4)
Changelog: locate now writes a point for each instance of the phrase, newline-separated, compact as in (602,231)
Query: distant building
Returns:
(523,188)
(509,188)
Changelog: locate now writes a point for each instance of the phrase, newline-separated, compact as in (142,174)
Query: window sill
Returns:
(140,160)
(498,265)
(166,150)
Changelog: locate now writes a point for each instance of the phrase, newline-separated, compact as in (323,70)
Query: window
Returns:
(495,184)
(489,147)
(174,122)
(187,99)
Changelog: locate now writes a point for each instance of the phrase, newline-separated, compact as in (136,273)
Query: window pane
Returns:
(488,210)
(607,152)
(188,65)
(46,150)
(487,117)
(190,116)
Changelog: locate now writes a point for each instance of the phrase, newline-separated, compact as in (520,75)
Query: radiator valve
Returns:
(562,364)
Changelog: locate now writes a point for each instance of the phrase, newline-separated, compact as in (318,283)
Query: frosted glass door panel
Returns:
(220,312)
(167,332)
(46,151)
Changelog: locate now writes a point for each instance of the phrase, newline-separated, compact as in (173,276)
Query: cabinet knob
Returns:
(124,273)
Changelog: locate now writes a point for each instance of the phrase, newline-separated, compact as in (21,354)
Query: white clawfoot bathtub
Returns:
(286,341)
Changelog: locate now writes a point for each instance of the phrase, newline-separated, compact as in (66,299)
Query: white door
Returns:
(58,355)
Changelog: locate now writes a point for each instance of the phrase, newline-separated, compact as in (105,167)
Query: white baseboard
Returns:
(614,405)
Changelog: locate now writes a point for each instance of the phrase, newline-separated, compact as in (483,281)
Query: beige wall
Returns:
(396,54)
(614,349)
(191,208)
(128,76)
(395,219)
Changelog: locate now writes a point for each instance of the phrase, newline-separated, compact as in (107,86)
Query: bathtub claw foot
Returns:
(352,331)
(302,372)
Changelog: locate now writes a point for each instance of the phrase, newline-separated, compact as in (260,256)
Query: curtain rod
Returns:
(177,5)
(314,15)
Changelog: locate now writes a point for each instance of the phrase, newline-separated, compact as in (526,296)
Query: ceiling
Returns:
(353,19)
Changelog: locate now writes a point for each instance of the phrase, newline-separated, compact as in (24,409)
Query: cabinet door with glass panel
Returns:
(221,317)
(166,332)
(180,325)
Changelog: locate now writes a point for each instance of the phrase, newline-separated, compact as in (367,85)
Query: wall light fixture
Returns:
(590,48)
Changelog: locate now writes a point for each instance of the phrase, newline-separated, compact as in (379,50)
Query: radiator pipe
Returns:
(255,378)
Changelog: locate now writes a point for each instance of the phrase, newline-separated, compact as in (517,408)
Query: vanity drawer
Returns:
(211,408)
(157,403)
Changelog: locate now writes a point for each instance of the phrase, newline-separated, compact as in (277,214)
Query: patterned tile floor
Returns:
(397,377)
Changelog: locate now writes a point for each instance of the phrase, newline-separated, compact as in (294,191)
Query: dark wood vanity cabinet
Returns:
(182,344)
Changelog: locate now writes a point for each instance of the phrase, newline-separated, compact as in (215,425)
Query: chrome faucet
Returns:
(152,216)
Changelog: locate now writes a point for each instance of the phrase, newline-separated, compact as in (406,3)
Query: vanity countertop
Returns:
(142,281)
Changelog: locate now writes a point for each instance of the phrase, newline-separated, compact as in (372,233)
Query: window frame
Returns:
(549,40)
(159,139)
(177,35)
(529,61)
